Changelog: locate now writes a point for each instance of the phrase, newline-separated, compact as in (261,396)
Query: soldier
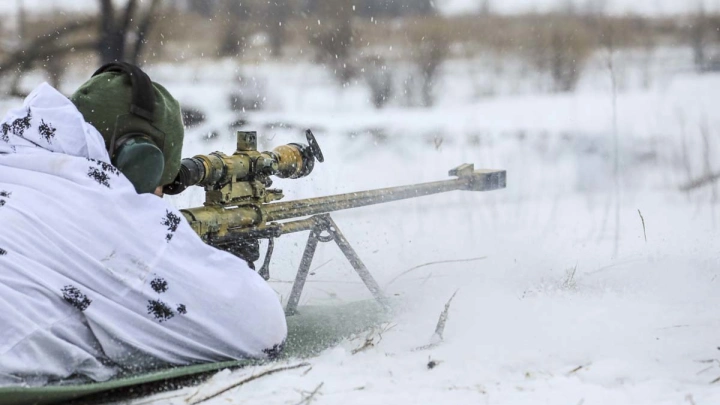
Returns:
(97,274)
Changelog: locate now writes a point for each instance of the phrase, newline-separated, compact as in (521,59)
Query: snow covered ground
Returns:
(564,300)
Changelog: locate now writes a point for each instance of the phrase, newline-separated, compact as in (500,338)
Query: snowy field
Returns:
(564,297)
(449,7)
(574,286)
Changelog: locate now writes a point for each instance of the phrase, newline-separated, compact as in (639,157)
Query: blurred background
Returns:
(596,108)
(602,251)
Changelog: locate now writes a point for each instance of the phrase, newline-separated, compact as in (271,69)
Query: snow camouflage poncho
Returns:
(94,278)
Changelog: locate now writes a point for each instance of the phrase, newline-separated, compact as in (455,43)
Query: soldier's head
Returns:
(139,120)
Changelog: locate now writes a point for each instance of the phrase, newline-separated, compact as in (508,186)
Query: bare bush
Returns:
(119,32)
(702,34)
(648,46)
(119,25)
(249,95)
(55,66)
(429,54)
(379,79)
(277,14)
(234,17)
(560,49)
(408,89)
(192,117)
(206,8)
(485,7)
(332,38)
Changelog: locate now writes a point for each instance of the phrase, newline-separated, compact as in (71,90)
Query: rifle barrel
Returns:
(225,225)
(478,181)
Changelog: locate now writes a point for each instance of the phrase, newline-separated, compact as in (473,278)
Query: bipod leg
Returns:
(354,260)
(301,277)
(323,223)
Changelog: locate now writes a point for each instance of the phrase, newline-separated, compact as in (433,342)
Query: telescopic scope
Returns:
(214,171)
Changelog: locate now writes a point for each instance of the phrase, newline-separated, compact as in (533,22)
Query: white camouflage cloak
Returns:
(96,279)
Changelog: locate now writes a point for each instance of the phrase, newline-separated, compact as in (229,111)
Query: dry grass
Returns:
(194,35)
(555,45)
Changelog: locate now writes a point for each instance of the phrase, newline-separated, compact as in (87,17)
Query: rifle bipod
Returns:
(323,229)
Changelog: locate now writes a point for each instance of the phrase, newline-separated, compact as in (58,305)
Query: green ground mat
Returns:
(313,329)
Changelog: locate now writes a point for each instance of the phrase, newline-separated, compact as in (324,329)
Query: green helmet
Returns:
(108,102)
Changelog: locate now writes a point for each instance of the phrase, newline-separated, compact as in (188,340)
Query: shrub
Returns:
(379,79)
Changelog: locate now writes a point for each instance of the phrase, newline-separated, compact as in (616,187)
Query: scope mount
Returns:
(245,176)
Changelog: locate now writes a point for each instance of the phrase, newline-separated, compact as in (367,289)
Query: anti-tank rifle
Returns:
(240,207)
